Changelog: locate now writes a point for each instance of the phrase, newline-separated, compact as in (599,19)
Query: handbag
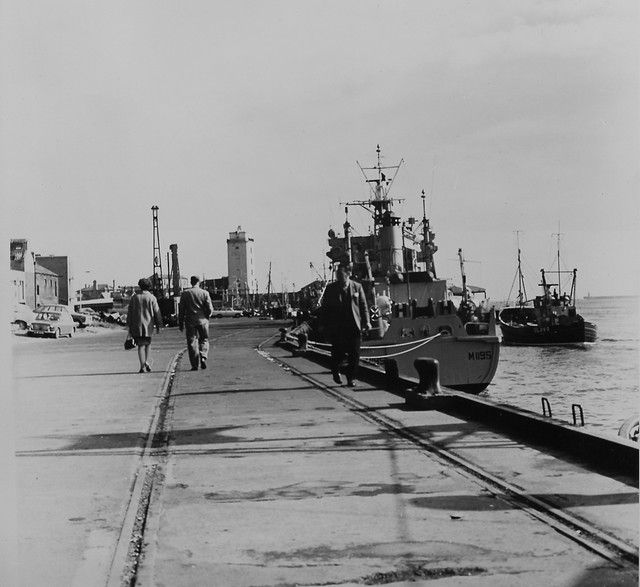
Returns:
(129,343)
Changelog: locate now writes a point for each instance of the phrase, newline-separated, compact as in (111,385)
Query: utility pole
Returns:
(35,281)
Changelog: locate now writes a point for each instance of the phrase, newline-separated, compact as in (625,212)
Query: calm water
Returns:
(603,377)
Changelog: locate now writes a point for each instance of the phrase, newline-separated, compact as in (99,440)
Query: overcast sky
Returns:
(511,115)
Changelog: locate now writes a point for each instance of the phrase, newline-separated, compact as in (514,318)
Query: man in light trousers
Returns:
(193,313)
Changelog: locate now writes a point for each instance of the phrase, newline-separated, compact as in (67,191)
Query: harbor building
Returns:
(60,265)
(240,264)
(31,282)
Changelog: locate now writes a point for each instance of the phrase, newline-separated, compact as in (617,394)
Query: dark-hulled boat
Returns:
(550,319)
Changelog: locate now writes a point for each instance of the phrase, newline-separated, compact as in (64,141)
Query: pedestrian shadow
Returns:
(212,437)
(125,440)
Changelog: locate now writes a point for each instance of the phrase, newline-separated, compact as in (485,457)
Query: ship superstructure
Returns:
(412,312)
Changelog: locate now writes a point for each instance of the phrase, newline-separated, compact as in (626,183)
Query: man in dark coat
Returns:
(194,311)
(345,316)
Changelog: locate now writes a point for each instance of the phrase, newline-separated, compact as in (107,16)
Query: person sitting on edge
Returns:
(194,311)
(345,316)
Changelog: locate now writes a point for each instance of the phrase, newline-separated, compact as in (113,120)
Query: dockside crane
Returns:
(168,303)
(157,285)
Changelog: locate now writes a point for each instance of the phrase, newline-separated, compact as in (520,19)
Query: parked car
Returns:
(78,318)
(22,315)
(51,323)
(54,308)
(114,317)
(226,313)
(83,317)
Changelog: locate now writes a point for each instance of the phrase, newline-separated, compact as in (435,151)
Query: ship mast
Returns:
(557,234)
(269,287)
(522,290)
(464,279)
(347,235)
(522,293)
(387,226)
(428,248)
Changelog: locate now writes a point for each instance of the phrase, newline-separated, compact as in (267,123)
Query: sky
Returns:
(520,120)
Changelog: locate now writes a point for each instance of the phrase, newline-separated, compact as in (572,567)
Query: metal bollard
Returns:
(283,335)
(429,373)
(302,341)
(391,372)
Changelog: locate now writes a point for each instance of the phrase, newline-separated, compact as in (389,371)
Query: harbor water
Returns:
(602,377)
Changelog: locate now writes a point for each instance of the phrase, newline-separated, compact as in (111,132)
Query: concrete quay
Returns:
(260,471)
(269,480)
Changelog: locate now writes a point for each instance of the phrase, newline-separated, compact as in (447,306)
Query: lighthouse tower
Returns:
(241,271)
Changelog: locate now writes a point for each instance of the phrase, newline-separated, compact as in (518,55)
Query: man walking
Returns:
(345,315)
(193,313)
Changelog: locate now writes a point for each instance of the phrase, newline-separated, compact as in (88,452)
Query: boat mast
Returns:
(464,278)
(557,234)
(387,226)
(522,293)
(269,288)
(347,235)
(427,240)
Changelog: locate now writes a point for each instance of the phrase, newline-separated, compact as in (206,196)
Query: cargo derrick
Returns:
(167,303)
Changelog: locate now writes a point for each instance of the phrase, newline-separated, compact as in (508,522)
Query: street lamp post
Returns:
(35,281)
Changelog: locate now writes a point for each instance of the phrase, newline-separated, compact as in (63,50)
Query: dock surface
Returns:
(260,471)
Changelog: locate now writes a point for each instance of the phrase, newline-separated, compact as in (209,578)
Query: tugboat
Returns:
(551,320)
(412,312)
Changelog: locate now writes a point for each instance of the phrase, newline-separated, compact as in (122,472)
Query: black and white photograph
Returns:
(311,293)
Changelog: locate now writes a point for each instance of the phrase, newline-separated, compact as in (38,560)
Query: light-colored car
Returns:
(51,323)
(54,308)
(226,313)
(84,317)
(22,315)
(79,318)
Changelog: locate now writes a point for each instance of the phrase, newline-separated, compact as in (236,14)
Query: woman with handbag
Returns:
(142,314)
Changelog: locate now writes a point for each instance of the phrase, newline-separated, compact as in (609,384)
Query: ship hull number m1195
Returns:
(480,355)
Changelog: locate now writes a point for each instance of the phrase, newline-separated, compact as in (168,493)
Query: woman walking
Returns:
(142,314)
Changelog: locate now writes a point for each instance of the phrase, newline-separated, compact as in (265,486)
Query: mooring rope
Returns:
(416,345)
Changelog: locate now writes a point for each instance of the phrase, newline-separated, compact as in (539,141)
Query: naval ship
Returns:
(413,314)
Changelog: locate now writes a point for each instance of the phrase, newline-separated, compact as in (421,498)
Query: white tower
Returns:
(242,277)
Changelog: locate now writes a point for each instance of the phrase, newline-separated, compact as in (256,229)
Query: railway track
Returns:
(139,525)
(577,529)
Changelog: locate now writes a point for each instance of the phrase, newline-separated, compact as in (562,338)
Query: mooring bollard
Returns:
(429,373)
(283,335)
(429,382)
(302,341)
(391,372)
